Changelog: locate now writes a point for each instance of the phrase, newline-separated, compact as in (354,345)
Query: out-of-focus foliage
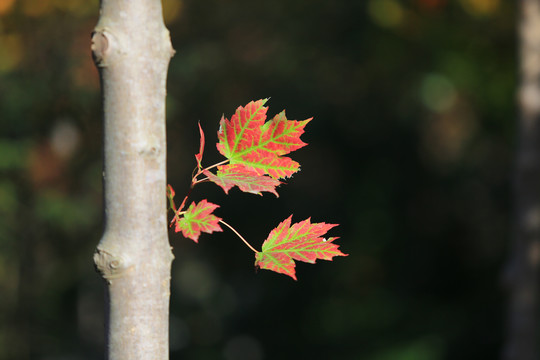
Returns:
(410,150)
(50,187)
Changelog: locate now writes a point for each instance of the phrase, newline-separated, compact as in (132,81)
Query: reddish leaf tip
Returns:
(199,155)
(170,191)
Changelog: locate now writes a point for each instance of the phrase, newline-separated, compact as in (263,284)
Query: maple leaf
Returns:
(246,179)
(248,140)
(198,218)
(302,241)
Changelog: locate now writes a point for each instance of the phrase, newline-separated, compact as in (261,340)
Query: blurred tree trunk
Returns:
(132,49)
(522,275)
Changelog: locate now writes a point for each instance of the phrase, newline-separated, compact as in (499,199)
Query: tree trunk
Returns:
(132,49)
(522,275)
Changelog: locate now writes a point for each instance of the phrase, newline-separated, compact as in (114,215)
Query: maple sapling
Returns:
(254,149)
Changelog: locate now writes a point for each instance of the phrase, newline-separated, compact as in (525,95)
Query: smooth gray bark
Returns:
(522,275)
(132,49)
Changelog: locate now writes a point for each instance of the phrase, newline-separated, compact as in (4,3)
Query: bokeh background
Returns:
(410,151)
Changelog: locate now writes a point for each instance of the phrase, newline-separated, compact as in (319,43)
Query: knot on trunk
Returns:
(99,46)
(110,266)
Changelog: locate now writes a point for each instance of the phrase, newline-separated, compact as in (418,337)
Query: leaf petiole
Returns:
(199,181)
(240,236)
(211,167)
(198,171)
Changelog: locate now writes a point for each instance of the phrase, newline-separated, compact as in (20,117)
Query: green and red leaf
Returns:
(196,219)
(246,179)
(248,140)
(302,241)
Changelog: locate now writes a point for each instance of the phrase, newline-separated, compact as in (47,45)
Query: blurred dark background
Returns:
(410,151)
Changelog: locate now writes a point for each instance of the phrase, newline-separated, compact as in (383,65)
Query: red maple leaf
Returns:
(248,140)
(196,219)
(245,178)
(302,241)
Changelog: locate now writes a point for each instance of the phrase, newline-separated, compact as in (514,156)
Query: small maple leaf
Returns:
(246,179)
(302,241)
(196,219)
(247,139)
